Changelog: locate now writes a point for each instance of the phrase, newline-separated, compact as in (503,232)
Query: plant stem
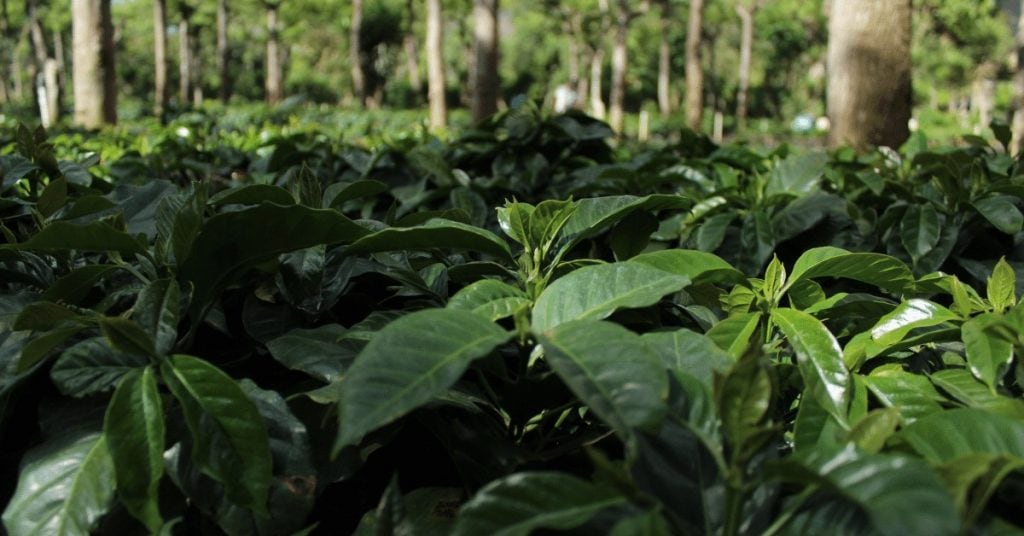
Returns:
(734,495)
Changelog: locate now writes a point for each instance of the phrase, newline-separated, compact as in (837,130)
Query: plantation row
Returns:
(524,328)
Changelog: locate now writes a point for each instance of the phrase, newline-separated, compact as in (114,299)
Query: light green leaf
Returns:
(946,435)
(963,387)
(820,359)
(872,431)
(595,292)
(64,488)
(1002,289)
(489,298)
(690,352)
(229,437)
(797,175)
(988,356)
(912,394)
(611,370)
(523,502)
(883,271)
(514,219)
(735,333)
(134,427)
(700,267)
(408,363)
(907,316)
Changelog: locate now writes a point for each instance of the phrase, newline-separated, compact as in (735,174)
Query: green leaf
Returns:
(962,386)
(253,194)
(796,175)
(595,292)
(64,488)
(524,502)
(820,360)
(489,298)
(127,336)
(232,242)
(1001,212)
(546,220)
(774,280)
(229,437)
(53,197)
(871,432)
(650,523)
(947,435)
(319,352)
(912,394)
(919,230)
(91,367)
(611,370)
(134,427)
(735,333)
(907,316)
(883,271)
(514,219)
(436,233)
(408,363)
(698,266)
(594,215)
(690,352)
(1002,289)
(157,311)
(988,356)
(94,236)
(743,397)
(73,287)
(339,193)
(897,494)
(43,316)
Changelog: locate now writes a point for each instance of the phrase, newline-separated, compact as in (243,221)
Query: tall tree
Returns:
(355,50)
(412,52)
(869,72)
(223,51)
(274,83)
(694,72)
(185,52)
(48,71)
(485,70)
(161,90)
(94,74)
(1018,86)
(745,9)
(620,58)
(665,60)
(435,66)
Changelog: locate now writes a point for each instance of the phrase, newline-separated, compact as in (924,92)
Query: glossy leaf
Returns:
(489,298)
(907,316)
(64,488)
(988,356)
(820,359)
(595,292)
(883,271)
(911,394)
(229,436)
(134,428)
(523,502)
(611,370)
(92,366)
(1001,212)
(736,333)
(408,363)
(698,266)
(319,352)
(594,215)
(946,435)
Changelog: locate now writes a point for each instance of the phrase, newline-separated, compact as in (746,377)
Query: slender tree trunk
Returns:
(62,74)
(185,58)
(412,53)
(869,78)
(665,61)
(597,108)
(694,72)
(95,78)
(161,93)
(5,29)
(48,99)
(275,75)
(1018,87)
(485,73)
(355,51)
(197,67)
(746,14)
(616,99)
(435,66)
(224,91)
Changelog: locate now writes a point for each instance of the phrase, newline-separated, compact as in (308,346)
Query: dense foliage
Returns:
(216,330)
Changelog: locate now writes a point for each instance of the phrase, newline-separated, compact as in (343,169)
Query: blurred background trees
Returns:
(724,67)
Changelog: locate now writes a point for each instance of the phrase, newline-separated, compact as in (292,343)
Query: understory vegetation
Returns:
(209,328)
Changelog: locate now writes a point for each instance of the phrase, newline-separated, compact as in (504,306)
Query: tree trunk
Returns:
(223,51)
(435,67)
(275,75)
(746,14)
(485,72)
(665,62)
(197,67)
(694,72)
(48,99)
(620,58)
(412,53)
(185,57)
(1018,87)
(597,108)
(94,75)
(355,51)
(161,93)
(869,78)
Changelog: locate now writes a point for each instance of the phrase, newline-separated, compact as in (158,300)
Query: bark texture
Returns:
(485,69)
(665,61)
(435,66)
(694,72)
(869,72)
(620,63)
(185,55)
(47,83)
(94,75)
(746,14)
